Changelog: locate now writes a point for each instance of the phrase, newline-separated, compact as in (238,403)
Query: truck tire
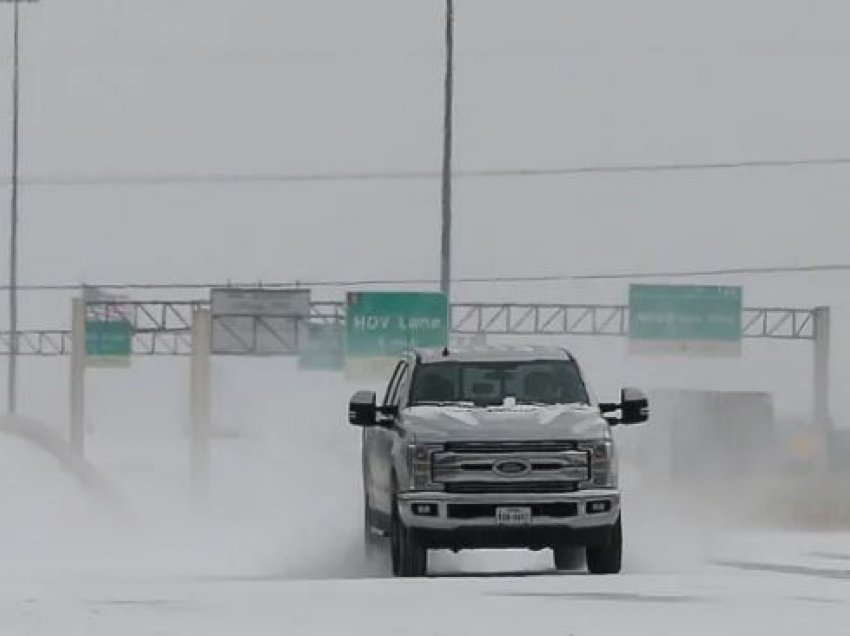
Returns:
(607,558)
(568,557)
(409,557)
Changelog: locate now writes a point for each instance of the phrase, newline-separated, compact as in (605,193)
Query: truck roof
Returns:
(492,354)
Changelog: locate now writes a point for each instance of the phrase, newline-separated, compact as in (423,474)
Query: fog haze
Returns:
(124,88)
(218,103)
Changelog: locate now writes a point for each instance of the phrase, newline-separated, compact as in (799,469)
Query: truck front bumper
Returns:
(455,521)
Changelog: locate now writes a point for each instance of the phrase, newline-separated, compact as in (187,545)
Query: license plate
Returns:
(513,516)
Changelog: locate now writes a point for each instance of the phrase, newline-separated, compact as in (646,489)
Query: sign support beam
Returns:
(200,405)
(78,375)
(821,362)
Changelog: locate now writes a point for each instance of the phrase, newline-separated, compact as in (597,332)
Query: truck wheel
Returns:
(409,557)
(607,558)
(568,557)
(416,556)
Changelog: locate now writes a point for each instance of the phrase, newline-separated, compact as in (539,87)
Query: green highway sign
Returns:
(686,316)
(108,342)
(381,325)
(324,349)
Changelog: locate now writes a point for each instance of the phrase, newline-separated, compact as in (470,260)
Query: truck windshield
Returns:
(489,383)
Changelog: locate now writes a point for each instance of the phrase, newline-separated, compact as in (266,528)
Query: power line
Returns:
(411,175)
(729,271)
(187,286)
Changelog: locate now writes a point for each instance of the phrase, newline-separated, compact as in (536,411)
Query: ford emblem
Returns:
(512,467)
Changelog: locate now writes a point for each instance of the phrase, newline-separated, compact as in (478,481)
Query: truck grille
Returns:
(511,467)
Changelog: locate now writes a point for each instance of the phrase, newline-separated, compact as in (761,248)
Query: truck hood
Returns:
(519,423)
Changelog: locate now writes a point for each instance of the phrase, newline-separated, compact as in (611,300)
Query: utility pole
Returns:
(446,246)
(12,402)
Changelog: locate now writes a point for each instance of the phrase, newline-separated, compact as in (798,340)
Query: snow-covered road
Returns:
(275,548)
(794,592)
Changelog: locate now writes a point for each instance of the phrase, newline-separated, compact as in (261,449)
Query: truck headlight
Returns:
(604,471)
(419,459)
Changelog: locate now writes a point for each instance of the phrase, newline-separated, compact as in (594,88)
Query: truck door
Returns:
(378,444)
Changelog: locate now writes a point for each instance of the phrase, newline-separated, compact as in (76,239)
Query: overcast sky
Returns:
(165,87)
(188,86)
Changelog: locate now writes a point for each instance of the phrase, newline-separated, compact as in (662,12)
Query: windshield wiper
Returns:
(444,403)
(532,403)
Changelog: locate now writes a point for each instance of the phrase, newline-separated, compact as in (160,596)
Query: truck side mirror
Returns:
(362,409)
(634,406)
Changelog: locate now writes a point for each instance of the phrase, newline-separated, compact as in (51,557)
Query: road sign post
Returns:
(200,402)
(381,325)
(821,362)
(98,339)
(78,375)
(685,319)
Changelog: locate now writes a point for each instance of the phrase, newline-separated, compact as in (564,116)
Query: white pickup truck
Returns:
(492,448)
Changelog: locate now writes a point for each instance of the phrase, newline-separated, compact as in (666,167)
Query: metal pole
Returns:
(12,402)
(199,402)
(78,375)
(446,248)
(821,413)
(820,394)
